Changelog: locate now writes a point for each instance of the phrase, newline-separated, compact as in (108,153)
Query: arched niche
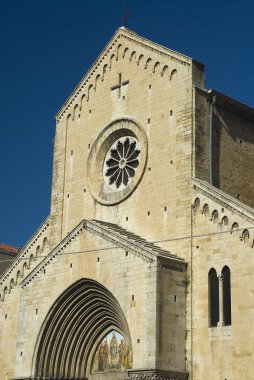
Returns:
(74,329)
(196,205)
(226,295)
(213,290)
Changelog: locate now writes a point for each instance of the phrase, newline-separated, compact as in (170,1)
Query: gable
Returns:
(130,47)
(136,91)
(119,237)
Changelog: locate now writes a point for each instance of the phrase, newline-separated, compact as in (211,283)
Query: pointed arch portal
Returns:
(73,329)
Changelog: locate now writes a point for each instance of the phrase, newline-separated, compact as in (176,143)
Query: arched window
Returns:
(226,296)
(213,298)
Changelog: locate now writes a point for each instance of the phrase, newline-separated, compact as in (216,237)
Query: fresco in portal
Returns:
(113,354)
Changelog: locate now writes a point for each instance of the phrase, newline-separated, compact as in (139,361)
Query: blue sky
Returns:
(46,47)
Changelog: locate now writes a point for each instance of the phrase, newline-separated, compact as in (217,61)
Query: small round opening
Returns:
(122,163)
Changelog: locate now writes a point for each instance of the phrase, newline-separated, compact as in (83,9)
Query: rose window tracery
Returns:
(121,162)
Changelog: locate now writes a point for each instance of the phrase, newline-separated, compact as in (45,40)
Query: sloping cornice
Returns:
(133,38)
(25,250)
(227,103)
(129,241)
(224,199)
(113,233)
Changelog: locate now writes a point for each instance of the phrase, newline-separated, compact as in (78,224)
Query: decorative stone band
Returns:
(25,251)
(155,374)
(224,199)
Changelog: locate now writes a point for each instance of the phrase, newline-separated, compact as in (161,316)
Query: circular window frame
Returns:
(96,182)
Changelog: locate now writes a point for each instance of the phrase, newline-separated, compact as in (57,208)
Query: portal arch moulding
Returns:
(73,332)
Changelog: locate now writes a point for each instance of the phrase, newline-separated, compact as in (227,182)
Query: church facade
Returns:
(144,268)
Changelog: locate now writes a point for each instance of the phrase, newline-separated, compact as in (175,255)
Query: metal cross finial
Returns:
(125,17)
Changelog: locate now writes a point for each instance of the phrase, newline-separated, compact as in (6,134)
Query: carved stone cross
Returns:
(119,85)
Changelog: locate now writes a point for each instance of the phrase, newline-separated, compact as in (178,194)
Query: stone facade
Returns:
(149,194)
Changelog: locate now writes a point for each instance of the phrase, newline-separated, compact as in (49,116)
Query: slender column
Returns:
(221,313)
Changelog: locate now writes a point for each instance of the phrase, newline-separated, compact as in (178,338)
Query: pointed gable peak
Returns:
(128,45)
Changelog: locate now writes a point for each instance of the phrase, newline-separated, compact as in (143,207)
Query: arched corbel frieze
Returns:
(148,63)
(133,56)
(156,67)
(165,71)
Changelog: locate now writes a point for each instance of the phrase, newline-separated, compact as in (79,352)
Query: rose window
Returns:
(121,162)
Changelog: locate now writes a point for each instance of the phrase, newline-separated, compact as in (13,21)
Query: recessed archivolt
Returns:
(73,330)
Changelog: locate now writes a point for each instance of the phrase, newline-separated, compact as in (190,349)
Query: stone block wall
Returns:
(233,152)
(171,316)
(219,240)
(232,145)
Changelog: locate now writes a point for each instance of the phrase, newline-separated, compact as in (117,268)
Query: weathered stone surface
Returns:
(135,256)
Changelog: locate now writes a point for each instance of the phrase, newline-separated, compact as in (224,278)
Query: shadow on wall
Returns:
(233,154)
